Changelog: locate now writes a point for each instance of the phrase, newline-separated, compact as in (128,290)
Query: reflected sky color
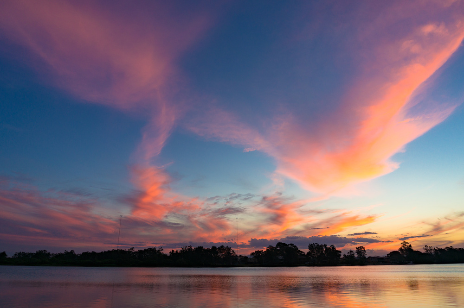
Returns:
(231,123)
(350,287)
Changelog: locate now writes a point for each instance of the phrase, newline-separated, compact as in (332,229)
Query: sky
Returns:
(241,123)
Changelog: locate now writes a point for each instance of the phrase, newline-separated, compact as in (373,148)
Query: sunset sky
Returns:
(240,123)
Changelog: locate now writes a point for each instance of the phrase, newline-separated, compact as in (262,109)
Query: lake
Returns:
(355,286)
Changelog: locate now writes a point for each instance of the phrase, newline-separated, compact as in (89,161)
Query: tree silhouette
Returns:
(322,254)
(361,254)
(349,258)
(405,249)
(315,253)
(280,255)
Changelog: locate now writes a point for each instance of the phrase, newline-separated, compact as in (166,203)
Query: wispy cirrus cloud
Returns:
(115,57)
(57,219)
(447,230)
(53,218)
(362,233)
(105,55)
(413,237)
(451,222)
(378,115)
(123,59)
(346,220)
(32,217)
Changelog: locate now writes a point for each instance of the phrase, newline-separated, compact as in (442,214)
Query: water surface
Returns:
(356,286)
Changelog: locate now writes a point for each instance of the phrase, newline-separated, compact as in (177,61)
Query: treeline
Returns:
(406,254)
(318,255)
(187,256)
(323,255)
(280,255)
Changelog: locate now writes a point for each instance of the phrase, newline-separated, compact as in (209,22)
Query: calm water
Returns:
(368,286)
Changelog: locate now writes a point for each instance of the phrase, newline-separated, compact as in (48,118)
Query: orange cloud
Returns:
(282,216)
(159,217)
(383,127)
(345,221)
(126,61)
(113,57)
(153,183)
(448,223)
(32,217)
(377,116)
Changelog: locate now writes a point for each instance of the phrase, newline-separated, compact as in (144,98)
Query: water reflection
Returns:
(413,284)
(378,286)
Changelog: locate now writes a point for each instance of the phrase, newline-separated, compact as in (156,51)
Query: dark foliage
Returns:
(361,255)
(406,254)
(199,256)
(187,256)
(280,255)
(349,258)
(323,255)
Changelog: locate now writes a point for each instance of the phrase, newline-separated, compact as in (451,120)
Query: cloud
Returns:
(454,221)
(54,218)
(278,216)
(155,198)
(59,218)
(228,211)
(224,126)
(106,55)
(120,58)
(412,237)
(362,233)
(115,57)
(376,117)
(282,214)
(442,231)
(346,220)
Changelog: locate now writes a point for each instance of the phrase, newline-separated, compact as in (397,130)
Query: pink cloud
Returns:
(125,60)
(117,56)
(377,116)
(345,221)
(106,55)
(159,217)
(31,217)
(54,218)
(452,222)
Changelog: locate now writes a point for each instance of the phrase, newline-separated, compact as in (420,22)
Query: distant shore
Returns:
(281,255)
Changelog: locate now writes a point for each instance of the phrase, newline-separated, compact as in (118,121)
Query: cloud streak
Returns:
(54,218)
(377,116)
(127,59)
(118,58)
(362,233)
(57,219)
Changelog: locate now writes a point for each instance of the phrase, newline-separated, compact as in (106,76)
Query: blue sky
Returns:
(198,122)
